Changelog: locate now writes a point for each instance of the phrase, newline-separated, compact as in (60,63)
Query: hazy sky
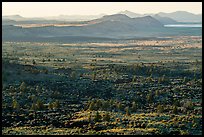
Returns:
(40,9)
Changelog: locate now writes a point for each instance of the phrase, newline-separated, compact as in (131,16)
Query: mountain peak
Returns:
(130,14)
(181,12)
(17,16)
(125,11)
(13,17)
(115,17)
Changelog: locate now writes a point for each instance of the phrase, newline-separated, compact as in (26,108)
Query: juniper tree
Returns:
(15,105)
(22,87)
(134,106)
(33,107)
(184,80)
(56,104)
(92,106)
(157,93)
(127,110)
(134,79)
(50,106)
(97,117)
(160,109)
(90,118)
(188,105)
(150,97)
(106,117)
(98,104)
(119,106)
(39,105)
(175,109)
(94,76)
(105,105)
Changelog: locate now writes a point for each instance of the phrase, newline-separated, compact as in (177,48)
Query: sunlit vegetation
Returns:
(102,88)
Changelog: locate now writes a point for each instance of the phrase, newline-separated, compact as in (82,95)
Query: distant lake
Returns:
(184,25)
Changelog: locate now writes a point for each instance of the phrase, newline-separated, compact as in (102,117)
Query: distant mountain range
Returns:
(110,26)
(116,26)
(57,18)
(178,16)
(182,16)
(75,17)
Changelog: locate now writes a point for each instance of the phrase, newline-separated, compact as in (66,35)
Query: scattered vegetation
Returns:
(102,89)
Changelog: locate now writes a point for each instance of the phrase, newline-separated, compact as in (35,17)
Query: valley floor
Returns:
(130,87)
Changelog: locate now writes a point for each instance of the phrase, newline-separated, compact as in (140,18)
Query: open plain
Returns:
(112,87)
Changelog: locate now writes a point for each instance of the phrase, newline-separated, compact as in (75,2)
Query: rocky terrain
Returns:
(124,87)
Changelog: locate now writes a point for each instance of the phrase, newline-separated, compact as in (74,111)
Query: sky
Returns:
(44,9)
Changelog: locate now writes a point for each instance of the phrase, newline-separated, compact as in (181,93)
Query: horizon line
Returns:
(96,14)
